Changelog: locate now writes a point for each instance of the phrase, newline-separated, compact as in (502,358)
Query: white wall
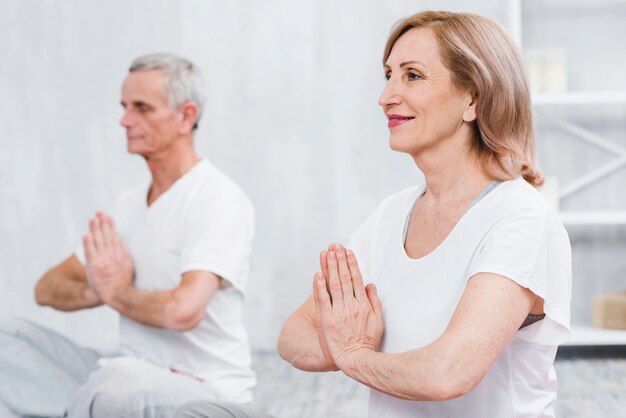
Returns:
(292,116)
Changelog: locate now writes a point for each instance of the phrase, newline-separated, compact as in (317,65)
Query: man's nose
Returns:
(127,119)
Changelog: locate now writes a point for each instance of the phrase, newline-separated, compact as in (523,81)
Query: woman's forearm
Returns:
(424,374)
(299,345)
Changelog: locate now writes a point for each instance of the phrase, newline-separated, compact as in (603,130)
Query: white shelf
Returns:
(593,217)
(586,335)
(579,98)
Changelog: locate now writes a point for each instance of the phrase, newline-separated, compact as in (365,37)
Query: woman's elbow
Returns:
(448,386)
(282,345)
(445,391)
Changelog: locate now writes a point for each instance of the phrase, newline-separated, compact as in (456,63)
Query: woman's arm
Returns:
(299,342)
(490,311)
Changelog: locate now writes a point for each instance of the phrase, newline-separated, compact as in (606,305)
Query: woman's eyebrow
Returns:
(404,64)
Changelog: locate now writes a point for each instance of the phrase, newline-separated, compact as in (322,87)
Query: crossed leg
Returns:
(40,370)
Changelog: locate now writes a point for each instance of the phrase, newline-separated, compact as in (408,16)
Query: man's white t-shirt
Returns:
(512,232)
(203,222)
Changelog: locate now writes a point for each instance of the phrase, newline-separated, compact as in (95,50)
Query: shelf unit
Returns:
(581,218)
(582,335)
(588,336)
(580,98)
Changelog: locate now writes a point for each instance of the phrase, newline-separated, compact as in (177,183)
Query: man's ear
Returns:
(189,112)
(469,115)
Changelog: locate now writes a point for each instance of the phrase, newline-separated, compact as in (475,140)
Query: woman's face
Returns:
(423,107)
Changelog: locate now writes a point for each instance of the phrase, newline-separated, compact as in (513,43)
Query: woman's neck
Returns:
(454,175)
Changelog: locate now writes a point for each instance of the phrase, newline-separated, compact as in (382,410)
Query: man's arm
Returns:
(65,287)
(111,273)
(179,309)
(299,343)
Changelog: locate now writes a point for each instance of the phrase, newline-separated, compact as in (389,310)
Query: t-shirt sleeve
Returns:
(531,247)
(218,238)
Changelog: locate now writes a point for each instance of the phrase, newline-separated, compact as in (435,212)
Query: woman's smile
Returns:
(397,120)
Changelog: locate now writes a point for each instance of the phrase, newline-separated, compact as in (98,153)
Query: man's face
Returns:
(151,125)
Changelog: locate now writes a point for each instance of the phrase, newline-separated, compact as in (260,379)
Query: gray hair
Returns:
(183,81)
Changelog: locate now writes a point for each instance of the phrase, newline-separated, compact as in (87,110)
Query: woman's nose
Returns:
(389,95)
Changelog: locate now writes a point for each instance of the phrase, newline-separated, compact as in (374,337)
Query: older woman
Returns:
(469,273)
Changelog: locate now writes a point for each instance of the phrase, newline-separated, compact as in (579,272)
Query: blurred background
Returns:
(292,116)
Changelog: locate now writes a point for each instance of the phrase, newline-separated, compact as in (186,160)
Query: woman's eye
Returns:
(387,76)
(413,75)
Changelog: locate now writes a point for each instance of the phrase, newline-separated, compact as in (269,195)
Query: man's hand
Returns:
(109,265)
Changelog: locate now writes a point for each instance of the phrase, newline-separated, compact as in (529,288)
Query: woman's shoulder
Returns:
(517,196)
(517,199)
(520,191)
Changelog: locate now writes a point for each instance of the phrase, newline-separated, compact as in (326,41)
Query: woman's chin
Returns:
(399,147)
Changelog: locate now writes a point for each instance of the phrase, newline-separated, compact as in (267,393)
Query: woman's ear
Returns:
(469,115)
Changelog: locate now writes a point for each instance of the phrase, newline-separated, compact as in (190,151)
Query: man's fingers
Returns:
(89,247)
(107,229)
(96,231)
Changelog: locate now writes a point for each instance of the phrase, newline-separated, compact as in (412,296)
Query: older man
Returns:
(173,260)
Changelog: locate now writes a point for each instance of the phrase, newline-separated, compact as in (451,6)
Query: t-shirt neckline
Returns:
(181,180)
(476,202)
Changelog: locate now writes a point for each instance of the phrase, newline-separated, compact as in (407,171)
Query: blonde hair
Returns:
(484,60)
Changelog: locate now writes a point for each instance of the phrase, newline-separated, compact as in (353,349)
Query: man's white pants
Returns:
(44,374)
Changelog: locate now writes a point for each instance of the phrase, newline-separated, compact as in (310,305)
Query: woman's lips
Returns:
(397,120)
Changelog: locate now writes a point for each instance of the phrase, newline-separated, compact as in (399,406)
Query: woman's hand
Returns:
(348,314)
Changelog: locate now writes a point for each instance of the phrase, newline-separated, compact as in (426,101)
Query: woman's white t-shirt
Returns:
(512,232)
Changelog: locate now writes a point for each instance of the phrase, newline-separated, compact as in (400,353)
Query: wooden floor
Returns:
(592,384)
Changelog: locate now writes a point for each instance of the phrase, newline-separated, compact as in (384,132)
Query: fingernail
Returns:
(331,255)
(349,253)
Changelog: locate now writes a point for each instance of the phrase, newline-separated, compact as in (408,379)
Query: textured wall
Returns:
(292,116)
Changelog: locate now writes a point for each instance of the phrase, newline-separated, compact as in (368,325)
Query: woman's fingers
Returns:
(357,279)
(322,299)
(334,282)
(324,262)
(345,278)
(372,295)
